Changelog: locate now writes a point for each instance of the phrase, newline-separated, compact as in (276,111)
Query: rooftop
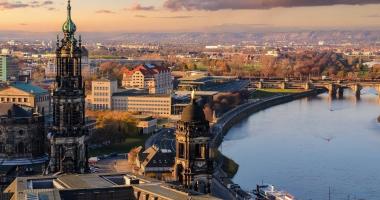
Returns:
(141,93)
(15,110)
(143,117)
(88,185)
(197,93)
(26,87)
(147,70)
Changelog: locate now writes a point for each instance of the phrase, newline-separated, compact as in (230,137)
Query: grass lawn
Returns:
(265,93)
(125,147)
(229,166)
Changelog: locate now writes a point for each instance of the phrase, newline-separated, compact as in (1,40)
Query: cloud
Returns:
(168,17)
(104,12)
(9,5)
(4,5)
(213,5)
(177,17)
(23,24)
(373,16)
(140,16)
(139,7)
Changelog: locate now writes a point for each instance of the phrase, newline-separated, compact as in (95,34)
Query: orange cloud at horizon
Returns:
(111,20)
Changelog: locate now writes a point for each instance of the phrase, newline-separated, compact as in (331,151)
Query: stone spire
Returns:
(68,151)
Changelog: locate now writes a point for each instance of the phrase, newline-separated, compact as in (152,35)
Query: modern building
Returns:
(106,96)
(119,186)
(146,104)
(193,161)
(156,79)
(68,133)
(101,94)
(202,82)
(22,143)
(8,68)
(26,94)
(146,124)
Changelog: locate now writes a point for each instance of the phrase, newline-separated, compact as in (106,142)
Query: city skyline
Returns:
(188,16)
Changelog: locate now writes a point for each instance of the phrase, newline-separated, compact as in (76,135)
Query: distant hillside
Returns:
(330,37)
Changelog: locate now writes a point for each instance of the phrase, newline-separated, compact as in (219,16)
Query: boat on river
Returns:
(269,192)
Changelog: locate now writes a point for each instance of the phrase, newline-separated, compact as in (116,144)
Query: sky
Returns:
(189,15)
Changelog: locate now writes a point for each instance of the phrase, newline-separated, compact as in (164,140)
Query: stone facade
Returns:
(26,94)
(156,79)
(68,135)
(193,162)
(22,142)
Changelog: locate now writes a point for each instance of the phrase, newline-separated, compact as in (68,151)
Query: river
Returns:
(309,146)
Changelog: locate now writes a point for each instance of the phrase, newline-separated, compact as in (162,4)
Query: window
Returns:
(20,148)
(181,150)
(21,132)
(2,147)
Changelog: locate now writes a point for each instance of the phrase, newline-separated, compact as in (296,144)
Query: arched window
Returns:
(20,148)
(2,147)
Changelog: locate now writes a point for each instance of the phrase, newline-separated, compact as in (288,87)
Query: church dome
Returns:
(193,113)
(69,26)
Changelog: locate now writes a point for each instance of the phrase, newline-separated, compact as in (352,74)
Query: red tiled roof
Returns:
(146,71)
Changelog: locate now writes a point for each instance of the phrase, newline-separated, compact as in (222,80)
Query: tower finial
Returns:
(69,26)
(68,9)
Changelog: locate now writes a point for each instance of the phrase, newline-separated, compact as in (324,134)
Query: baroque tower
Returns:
(193,162)
(68,151)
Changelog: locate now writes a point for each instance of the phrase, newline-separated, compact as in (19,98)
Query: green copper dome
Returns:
(69,26)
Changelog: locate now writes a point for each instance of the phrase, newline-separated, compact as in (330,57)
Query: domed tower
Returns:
(22,142)
(193,162)
(68,153)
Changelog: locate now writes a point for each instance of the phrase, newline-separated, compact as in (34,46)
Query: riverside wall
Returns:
(236,115)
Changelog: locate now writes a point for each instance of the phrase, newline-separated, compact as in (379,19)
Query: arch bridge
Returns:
(334,88)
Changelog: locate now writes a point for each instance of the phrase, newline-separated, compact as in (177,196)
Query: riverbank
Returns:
(236,115)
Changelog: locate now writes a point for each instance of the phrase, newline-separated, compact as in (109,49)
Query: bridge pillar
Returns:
(332,90)
(356,88)
(378,89)
(308,86)
(260,85)
(340,92)
(283,85)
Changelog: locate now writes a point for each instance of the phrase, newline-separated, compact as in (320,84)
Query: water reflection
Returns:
(309,145)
